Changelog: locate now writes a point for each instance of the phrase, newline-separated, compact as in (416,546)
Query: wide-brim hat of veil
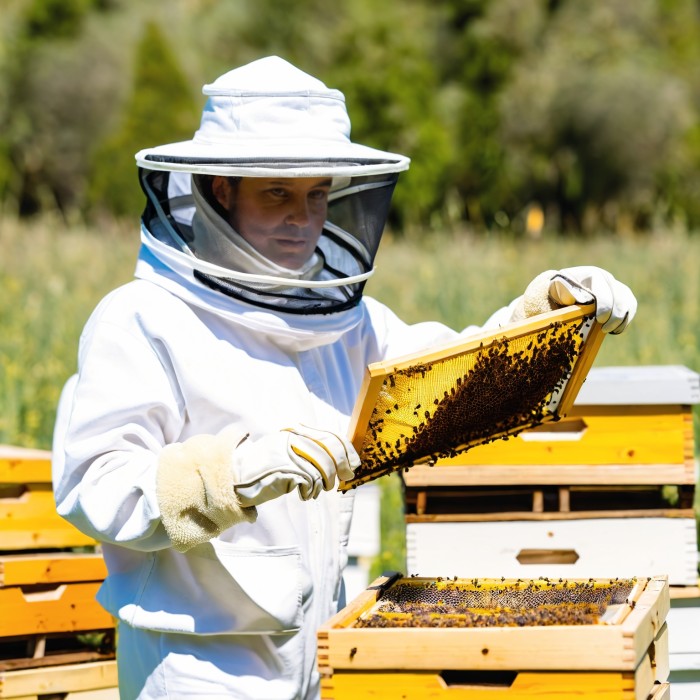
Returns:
(269,118)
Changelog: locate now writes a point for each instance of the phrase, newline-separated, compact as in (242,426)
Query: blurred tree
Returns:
(397,100)
(591,110)
(58,77)
(161,108)
(590,119)
(488,40)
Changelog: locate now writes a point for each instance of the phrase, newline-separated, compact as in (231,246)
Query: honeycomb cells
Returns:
(495,603)
(428,412)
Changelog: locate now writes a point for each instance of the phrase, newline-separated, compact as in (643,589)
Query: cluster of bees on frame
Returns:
(493,603)
(507,388)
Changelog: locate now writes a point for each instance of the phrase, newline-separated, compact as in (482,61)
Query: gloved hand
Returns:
(616,305)
(293,458)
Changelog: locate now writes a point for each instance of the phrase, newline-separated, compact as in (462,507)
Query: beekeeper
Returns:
(203,437)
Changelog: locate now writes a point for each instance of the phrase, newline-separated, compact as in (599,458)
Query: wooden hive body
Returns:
(28,517)
(628,425)
(623,658)
(55,639)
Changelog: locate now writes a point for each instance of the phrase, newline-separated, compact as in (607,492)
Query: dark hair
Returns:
(205,182)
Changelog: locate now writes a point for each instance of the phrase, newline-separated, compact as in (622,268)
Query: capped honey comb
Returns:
(425,407)
(457,602)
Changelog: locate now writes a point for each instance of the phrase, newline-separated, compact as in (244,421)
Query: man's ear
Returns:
(222,191)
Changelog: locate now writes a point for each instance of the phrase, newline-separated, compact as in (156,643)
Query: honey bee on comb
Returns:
(496,603)
(435,405)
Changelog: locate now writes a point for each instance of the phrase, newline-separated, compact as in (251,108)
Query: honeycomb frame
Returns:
(530,371)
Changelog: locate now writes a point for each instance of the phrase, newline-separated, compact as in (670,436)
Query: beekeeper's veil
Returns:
(269,119)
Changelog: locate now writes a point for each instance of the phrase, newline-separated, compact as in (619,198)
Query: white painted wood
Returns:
(684,629)
(650,384)
(685,662)
(364,528)
(606,547)
(685,685)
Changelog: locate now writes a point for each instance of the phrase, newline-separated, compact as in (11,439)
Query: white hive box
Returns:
(684,642)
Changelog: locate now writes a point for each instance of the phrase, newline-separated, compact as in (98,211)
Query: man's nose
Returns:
(298,214)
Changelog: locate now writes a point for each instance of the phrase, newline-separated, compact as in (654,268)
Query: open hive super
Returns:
(413,637)
(424,407)
(438,602)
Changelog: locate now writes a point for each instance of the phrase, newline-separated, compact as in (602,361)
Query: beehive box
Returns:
(49,613)
(583,548)
(513,639)
(48,576)
(684,642)
(28,517)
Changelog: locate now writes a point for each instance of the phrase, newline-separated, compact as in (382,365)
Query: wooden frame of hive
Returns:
(28,517)
(51,593)
(511,342)
(623,658)
(95,680)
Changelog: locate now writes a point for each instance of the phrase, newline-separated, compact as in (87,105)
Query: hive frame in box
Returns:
(618,646)
(504,342)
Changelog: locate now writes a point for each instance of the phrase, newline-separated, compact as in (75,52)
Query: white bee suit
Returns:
(183,360)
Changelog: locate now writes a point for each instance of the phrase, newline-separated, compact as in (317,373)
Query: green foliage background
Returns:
(587,111)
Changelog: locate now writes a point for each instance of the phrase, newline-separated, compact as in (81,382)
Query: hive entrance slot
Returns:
(565,430)
(480,679)
(547,556)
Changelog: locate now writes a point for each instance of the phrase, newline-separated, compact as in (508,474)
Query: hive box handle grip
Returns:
(547,556)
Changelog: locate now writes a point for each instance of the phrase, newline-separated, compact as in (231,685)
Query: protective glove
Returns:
(299,458)
(615,303)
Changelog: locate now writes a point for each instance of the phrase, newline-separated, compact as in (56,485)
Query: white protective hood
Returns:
(161,264)
(270,119)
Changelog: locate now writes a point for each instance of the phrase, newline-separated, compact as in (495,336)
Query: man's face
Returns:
(282,218)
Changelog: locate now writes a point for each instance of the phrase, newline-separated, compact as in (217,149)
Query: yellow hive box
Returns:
(66,607)
(628,425)
(49,612)
(617,648)
(28,517)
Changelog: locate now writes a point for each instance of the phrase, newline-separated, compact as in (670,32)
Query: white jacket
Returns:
(164,358)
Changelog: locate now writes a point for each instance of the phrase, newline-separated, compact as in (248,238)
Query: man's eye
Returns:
(318,194)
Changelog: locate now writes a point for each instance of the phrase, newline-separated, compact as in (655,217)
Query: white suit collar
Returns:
(172,270)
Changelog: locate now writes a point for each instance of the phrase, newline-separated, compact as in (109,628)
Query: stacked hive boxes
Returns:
(608,491)
(55,640)
(430,638)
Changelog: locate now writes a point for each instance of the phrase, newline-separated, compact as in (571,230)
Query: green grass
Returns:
(52,276)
